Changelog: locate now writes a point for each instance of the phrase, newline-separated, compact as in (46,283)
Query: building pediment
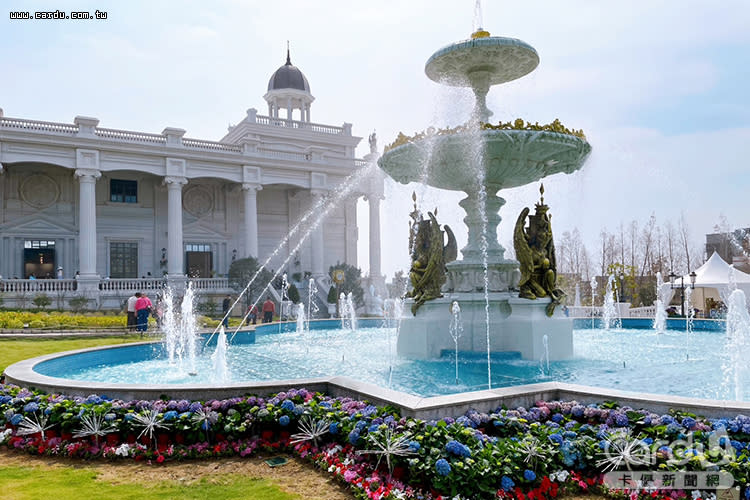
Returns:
(38,225)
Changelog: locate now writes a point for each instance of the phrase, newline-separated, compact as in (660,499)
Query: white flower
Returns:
(4,435)
(123,450)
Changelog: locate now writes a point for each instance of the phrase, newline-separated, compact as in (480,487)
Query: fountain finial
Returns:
(541,194)
(288,58)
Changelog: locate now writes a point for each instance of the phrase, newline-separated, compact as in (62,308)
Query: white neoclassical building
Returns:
(114,211)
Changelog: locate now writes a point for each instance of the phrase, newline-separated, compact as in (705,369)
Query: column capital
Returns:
(251,186)
(175,181)
(87,174)
(87,159)
(318,192)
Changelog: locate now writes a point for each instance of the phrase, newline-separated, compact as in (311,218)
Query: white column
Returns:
(175,255)
(251,218)
(87,221)
(316,239)
(374,202)
(350,230)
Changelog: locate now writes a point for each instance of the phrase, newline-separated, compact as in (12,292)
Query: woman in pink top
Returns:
(142,310)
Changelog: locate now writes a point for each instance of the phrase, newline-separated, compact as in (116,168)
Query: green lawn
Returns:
(12,350)
(32,483)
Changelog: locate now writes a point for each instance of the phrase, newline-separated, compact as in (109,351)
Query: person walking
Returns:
(142,309)
(268,309)
(131,310)
(225,305)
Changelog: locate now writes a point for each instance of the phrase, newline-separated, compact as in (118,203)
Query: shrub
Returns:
(14,324)
(332,296)
(352,282)
(293,293)
(208,308)
(42,301)
(78,304)
(37,323)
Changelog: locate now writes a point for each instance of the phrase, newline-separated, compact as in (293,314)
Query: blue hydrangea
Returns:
(736,445)
(603,444)
(557,418)
(194,407)
(298,410)
(129,417)
(170,415)
(552,425)
(109,417)
(93,400)
(31,407)
(569,453)
(556,438)
(369,410)
(577,411)
(621,420)
(354,437)
(325,404)
(458,449)
(649,441)
(334,428)
(442,467)
(284,420)
(570,425)
(414,446)
(4,399)
(16,419)
(688,422)
(287,405)
(665,450)
(674,428)
(507,483)
(667,419)
(569,435)
(747,493)
(373,428)
(529,475)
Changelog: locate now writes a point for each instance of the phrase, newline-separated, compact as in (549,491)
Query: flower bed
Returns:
(524,453)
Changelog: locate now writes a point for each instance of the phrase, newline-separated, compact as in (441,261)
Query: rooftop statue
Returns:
(535,251)
(428,256)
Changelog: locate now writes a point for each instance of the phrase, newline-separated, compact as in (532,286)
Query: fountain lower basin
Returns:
(654,364)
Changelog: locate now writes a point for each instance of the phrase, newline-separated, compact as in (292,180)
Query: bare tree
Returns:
(684,235)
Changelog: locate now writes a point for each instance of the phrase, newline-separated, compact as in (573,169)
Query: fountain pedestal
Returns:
(516,325)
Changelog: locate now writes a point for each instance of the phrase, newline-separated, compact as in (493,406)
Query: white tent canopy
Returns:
(715,273)
(712,281)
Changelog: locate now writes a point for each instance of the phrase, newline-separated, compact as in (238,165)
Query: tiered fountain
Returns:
(480,159)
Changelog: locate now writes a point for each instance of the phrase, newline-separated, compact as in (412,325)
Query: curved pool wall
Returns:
(27,373)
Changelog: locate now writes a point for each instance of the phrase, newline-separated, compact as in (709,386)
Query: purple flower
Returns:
(31,407)
(621,420)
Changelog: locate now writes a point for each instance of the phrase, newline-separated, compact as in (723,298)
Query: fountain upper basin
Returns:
(510,158)
(498,59)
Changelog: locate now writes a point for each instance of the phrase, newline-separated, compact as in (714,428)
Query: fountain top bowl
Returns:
(493,59)
(508,158)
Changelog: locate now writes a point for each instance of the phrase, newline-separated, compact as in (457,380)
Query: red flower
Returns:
(160,458)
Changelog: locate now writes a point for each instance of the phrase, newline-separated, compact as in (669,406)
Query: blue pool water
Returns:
(627,359)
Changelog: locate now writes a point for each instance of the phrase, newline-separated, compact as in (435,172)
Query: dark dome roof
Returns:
(288,77)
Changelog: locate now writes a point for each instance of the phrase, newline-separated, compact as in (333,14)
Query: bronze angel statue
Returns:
(428,256)
(535,251)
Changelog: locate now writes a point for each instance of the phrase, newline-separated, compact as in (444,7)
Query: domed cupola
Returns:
(288,89)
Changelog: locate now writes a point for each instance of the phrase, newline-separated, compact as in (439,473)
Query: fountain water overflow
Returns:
(480,159)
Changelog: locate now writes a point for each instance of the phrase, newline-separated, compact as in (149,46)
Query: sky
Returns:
(659,87)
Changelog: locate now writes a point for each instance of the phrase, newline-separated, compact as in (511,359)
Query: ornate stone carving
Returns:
(39,190)
(198,201)
(536,253)
(428,257)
